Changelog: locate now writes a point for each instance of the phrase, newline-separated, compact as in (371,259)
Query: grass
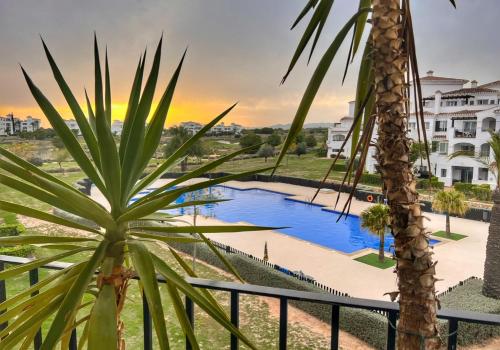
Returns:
(452,236)
(372,260)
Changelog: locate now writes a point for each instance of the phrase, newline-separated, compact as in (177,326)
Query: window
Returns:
(463,102)
(451,103)
(482,102)
(338,138)
(427,125)
(443,172)
(482,174)
(412,125)
(443,148)
(440,125)
(471,102)
(492,102)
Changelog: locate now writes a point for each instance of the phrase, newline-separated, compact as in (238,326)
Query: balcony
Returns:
(335,301)
(465,134)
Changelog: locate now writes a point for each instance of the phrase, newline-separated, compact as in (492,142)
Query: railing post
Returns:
(73,344)
(283,323)
(235,317)
(335,324)
(392,318)
(3,294)
(190,316)
(37,341)
(452,334)
(147,326)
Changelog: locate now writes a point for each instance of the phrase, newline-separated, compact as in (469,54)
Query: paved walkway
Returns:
(457,260)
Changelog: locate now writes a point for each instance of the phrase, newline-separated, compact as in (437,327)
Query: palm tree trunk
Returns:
(417,327)
(491,286)
(448,229)
(381,247)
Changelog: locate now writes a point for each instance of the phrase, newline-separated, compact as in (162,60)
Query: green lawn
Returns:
(453,236)
(372,260)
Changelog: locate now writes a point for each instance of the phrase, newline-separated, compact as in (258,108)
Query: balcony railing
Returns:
(467,134)
(391,310)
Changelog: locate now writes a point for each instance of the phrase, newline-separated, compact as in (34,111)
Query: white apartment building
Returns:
(456,118)
(219,129)
(10,125)
(116,126)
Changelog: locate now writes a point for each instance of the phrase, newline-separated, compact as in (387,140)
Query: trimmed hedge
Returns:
(11,230)
(481,192)
(22,251)
(433,183)
(371,179)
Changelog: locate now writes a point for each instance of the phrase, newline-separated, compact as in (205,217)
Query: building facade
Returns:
(11,125)
(116,126)
(219,129)
(457,117)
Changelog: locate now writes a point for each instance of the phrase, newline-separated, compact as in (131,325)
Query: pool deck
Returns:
(457,260)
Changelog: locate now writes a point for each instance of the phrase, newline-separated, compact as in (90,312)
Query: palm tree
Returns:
(376,218)
(92,292)
(491,285)
(450,202)
(388,62)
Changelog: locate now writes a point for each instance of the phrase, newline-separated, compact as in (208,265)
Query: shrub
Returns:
(36,161)
(371,179)
(11,230)
(23,251)
(433,183)
(481,192)
(250,139)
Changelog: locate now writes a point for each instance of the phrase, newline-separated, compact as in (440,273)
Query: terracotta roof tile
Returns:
(435,78)
(476,90)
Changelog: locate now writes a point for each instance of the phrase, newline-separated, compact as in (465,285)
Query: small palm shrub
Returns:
(450,203)
(119,234)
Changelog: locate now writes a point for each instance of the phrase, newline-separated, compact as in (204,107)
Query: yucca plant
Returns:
(388,63)
(450,203)
(119,238)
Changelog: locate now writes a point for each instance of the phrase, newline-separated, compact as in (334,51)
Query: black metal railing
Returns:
(336,302)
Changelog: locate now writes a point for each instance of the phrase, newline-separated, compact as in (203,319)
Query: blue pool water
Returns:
(305,221)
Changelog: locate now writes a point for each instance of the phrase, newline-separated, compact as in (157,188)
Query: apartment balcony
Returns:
(465,134)
(336,301)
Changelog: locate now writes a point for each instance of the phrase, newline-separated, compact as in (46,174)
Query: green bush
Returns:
(433,183)
(18,250)
(371,179)
(11,230)
(481,192)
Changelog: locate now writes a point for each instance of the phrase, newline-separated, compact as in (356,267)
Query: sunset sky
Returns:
(238,50)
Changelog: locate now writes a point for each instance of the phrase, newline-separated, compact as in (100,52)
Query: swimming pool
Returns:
(309,222)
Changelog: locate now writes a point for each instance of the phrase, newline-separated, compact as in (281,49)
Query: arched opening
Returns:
(338,137)
(488,124)
(464,147)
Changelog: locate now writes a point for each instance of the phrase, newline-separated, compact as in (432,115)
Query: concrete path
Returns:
(457,260)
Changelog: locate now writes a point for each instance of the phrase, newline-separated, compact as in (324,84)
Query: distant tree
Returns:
(301,137)
(57,142)
(301,149)
(61,155)
(311,141)
(265,131)
(250,139)
(274,139)
(266,254)
(179,136)
(375,219)
(417,151)
(322,150)
(266,151)
(450,202)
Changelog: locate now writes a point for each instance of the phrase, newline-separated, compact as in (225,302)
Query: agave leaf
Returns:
(91,118)
(193,203)
(172,277)
(166,239)
(135,143)
(199,171)
(133,101)
(84,337)
(73,104)
(155,127)
(144,267)
(206,293)
(359,27)
(324,15)
(14,271)
(186,326)
(37,214)
(177,154)
(314,85)
(66,135)
(138,210)
(107,92)
(206,229)
(221,257)
(25,239)
(102,330)
(73,297)
(68,272)
(309,6)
